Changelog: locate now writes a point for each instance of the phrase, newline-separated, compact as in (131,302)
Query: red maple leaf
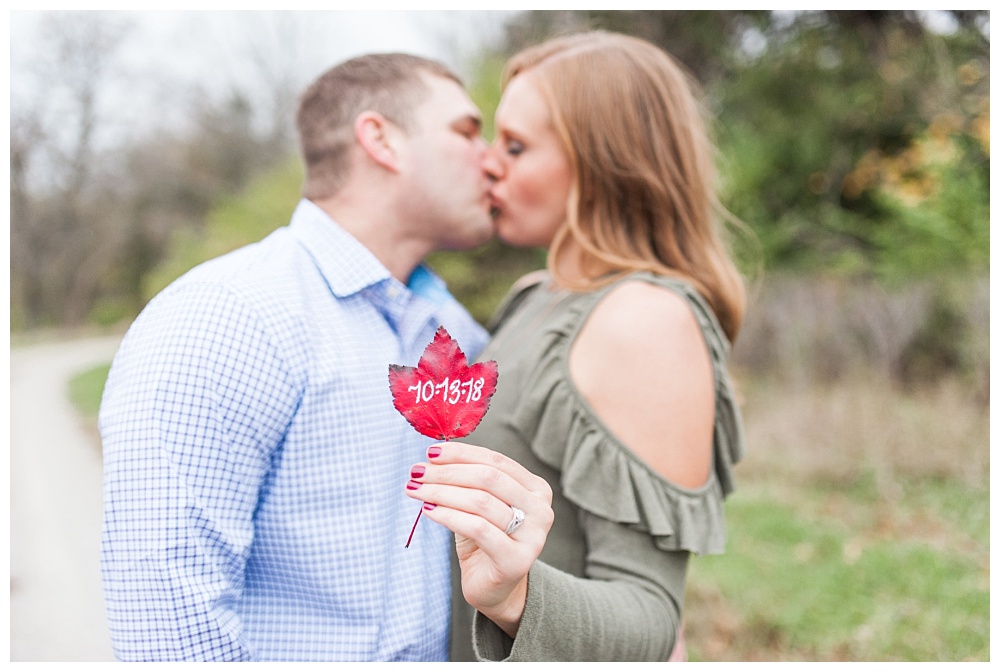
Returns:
(442,396)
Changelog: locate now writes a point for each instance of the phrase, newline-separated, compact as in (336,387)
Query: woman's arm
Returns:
(628,607)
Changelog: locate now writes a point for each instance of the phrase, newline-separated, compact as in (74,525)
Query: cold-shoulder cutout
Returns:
(641,363)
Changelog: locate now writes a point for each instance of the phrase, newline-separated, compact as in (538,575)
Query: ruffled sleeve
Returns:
(602,476)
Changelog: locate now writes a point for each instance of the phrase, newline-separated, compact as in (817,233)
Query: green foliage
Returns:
(859,152)
(945,228)
(86,388)
(109,310)
(266,204)
(484,88)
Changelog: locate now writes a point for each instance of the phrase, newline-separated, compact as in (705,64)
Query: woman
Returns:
(614,406)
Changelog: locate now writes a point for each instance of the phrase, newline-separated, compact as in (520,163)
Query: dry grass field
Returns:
(859,530)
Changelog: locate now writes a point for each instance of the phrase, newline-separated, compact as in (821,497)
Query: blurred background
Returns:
(853,149)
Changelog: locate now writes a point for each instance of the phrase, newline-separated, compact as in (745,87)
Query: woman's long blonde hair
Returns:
(643,197)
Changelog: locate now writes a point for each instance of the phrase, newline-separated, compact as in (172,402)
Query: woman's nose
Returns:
(492,164)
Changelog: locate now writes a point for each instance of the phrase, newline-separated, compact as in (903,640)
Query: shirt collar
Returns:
(347,266)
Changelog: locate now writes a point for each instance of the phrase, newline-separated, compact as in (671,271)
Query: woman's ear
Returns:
(378,137)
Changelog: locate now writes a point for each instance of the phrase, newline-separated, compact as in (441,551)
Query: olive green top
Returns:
(609,584)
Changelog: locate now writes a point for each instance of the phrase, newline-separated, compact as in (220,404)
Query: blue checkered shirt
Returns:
(254,465)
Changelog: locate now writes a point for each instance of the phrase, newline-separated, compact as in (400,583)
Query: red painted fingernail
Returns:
(429,507)
(412,485)
(433,451)
(417,471)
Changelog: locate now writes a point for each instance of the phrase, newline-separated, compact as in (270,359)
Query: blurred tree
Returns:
(704,41)
(171,182)
(264,60)
(56,242)
(847,136)
(93,205)
(850,141)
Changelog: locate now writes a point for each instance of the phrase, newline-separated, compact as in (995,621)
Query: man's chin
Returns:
(481,236)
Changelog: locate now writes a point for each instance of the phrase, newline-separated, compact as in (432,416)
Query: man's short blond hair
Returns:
(389,84)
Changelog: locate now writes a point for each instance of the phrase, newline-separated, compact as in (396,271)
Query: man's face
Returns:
(448,188)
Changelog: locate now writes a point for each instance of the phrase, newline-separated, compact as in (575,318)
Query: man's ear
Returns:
(378,137)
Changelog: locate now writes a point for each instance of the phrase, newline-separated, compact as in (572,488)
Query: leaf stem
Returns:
(408,539)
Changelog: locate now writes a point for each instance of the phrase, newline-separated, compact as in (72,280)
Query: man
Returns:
(253,457)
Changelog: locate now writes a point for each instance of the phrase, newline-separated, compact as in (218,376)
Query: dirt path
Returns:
(56,606)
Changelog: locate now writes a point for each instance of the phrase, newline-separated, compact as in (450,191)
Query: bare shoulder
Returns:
(641,362)
(640,314)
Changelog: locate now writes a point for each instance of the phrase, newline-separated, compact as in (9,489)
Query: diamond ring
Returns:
(515,521)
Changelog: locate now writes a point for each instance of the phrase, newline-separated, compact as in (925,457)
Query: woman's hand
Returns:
(470,490)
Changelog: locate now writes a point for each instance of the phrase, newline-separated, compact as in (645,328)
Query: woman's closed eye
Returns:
(513,147)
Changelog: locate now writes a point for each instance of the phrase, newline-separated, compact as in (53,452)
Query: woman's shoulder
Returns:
(645,321)
(661,301)
(641,363)
(638,313)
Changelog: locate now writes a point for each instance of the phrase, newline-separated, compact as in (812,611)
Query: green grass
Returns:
(813,588)
(841,552)
(86,388)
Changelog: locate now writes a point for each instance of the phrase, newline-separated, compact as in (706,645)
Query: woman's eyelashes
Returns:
(513,147)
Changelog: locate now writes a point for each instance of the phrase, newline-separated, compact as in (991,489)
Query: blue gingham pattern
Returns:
(255,465)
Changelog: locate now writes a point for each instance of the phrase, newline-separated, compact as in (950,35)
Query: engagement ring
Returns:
(516,521)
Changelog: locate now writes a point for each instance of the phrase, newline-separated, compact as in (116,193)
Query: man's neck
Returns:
(379,230)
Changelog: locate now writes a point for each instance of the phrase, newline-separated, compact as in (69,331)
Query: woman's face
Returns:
(532,173)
